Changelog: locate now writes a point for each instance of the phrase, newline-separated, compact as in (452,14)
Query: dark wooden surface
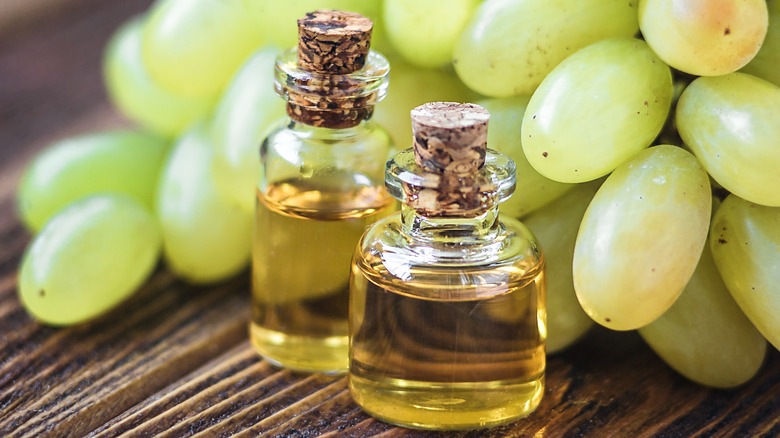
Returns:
(175,360)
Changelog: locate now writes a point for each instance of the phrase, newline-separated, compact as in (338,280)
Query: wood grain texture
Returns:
(175,360)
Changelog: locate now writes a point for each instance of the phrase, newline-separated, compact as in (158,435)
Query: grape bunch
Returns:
(645,134)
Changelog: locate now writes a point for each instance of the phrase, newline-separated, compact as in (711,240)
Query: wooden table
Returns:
(175,360)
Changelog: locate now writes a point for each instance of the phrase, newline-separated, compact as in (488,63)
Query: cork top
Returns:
(333,42)
(450,148)
(331,79)
(450,137)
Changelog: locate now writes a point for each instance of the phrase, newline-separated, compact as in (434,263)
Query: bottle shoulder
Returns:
(389,257)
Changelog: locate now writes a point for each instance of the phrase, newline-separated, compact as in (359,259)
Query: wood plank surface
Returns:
(175,360)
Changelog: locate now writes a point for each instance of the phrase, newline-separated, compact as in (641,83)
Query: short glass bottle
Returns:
(321,185)
(447,300)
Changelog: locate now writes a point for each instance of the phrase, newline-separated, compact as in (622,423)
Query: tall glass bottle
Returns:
(321,185)
(447,300)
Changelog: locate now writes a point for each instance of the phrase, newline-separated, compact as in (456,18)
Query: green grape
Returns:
(193,47)
(279,19)
(704,37)
(596,109)
(641,237)
(134,92)
(533,190)
(246,110)
(764,64)
(731,124)
(509,46)
(705,336)
(116,161)
(206,238)
(555,226)
(745,242)
(411,87)
(424,33)
(88,259)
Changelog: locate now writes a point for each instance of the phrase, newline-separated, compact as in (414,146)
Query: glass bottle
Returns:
(321,185)
(447,300)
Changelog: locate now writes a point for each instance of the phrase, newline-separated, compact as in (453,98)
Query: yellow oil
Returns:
(436,360)
(305,234)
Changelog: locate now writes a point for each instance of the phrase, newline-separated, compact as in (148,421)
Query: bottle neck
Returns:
(328,135)
(339,118)
(326,100)
(454,230)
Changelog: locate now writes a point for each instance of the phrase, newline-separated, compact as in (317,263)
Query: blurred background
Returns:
(50,74)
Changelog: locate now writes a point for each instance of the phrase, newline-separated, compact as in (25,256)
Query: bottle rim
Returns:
(495,180)
(359,89)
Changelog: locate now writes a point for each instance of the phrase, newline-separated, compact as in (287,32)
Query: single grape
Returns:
(509,46)
(88,259)
(745,242)
(596,109)
(134,92)
(247,109)
(206,238)
(533,190)
(705,336)
(731,124)
(555,226)
(279,19)
(641,238)
(411,87)
(193,47)
(764,64)
(424,33)
(704,37)
(114,161)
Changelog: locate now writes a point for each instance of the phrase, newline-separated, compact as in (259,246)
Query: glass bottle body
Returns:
(447,321)
(319,189)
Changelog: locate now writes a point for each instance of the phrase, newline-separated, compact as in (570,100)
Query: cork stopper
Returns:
(450,137)
(333,42)
(450,143)
(333,47)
